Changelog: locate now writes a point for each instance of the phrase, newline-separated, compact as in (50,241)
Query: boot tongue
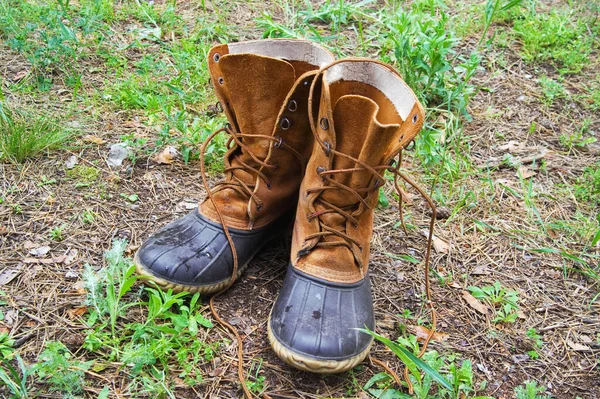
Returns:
(361,136)
(258,86)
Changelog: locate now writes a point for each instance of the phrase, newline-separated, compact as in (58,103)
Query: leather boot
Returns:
(362,115)
(263,88)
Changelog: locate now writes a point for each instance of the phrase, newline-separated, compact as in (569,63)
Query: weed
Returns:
(130,197)
(504,302)
(587,188)
(16,378)
(60,370)
(258,385)
(85,175)
(537,343)
(167,336)
(492,8)
(16,209)
(531,390)
(88,216)
(24,135)
(135,146)
(53,38)
(452,378)
(56,233)
(45,181)
(6,346)
(552,90)
(578,137)
(559,37)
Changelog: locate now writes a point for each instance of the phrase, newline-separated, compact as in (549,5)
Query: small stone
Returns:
(116,155)
(520,358)
(442,213)
(71,274)
(71,162)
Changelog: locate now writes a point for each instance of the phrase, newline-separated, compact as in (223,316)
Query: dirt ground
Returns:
(560,303)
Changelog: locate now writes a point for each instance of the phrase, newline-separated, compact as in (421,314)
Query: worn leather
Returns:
(363,123)
(256,93)
(364,110)
(259,84)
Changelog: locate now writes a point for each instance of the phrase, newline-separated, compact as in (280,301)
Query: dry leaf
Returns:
(474,303)
(50,261)
(30,245)
(80,287)
(93,139)
(578,347)
(70,256)
(480,270)
(133,124)
(20,75)
(78,311)
(40,251)
(167,155)
(423,332)
(525,172)
(7,275)
(3,230)
(440,246)
(512,146)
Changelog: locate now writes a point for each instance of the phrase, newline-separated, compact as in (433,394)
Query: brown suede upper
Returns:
(263,87)
(363,109)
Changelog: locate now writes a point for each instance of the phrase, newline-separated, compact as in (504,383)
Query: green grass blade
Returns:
(411,361)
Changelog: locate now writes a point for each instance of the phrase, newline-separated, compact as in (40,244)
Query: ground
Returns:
(508,154)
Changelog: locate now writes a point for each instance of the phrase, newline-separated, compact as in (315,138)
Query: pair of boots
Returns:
(310,139)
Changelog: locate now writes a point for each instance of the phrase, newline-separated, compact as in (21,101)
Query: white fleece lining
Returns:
(379,77)
(291,50)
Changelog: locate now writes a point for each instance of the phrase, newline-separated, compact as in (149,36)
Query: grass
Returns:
(24,134)
(504,303)
(560,37)
(145,61)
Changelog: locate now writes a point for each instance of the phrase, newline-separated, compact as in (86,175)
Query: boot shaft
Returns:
(263,88)
(362,115)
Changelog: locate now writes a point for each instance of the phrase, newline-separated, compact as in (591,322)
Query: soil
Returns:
(562,305)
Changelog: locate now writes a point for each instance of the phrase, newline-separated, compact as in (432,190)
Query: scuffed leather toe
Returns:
(193,254)
(314,323)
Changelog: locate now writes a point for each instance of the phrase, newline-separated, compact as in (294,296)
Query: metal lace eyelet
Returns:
(278,143)
(327,148)
(410,146)
(320,169)
(221,80)
(219,106)
(259,207)
(415,118)
(228,126)
(216,57)
(293,106)
(269,186)
(306,82)
(355,225)
(285,124)
(324,123)
(275,167)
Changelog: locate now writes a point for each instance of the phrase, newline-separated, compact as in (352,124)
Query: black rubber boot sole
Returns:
(192,253)
(313,324)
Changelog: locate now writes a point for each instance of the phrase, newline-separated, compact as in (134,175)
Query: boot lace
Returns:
(247,191)
(235,183)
